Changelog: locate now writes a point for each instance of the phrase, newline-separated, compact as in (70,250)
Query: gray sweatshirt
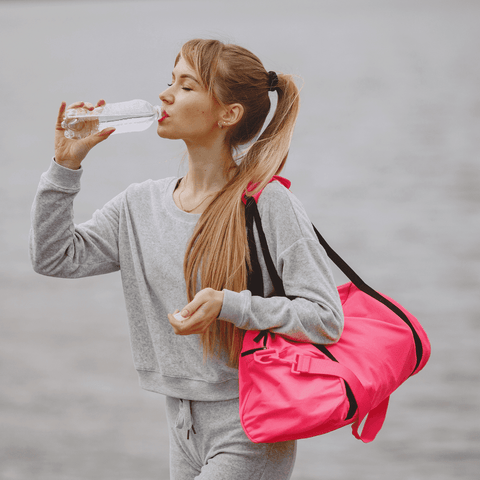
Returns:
(142,233)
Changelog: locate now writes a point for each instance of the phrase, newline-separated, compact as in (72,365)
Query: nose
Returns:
(166,96)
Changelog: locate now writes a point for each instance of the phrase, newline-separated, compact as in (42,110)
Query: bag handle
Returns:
(251,210)
(372,424)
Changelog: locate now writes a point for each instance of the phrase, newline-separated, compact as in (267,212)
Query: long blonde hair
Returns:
(218,249)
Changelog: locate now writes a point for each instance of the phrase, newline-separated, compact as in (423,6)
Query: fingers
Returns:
(202,297)
(189,326)
(105,133)
(99,137)
(87,105)
(61,114)
(76,105)
(178,316)
(200,313)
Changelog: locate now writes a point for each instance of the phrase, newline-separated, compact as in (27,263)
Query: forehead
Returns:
(182,67)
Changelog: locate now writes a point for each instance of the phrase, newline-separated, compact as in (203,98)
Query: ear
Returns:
(232,114)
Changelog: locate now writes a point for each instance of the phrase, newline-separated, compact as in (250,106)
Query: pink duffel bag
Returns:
(291,390)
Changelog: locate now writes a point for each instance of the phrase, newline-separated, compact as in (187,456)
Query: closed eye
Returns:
(183,88)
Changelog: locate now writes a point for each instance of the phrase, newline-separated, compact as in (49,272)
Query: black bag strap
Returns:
(252,215)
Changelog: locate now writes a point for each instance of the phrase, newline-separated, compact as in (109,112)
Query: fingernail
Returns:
(184,313)
(106,133)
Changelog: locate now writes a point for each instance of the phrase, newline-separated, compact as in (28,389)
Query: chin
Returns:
(165,134)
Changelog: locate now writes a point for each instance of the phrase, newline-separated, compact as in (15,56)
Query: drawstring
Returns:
(184,418)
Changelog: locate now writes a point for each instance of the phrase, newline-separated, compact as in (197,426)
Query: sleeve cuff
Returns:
(233,308)
(63,177)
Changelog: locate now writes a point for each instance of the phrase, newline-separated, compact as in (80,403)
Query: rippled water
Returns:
(385,159)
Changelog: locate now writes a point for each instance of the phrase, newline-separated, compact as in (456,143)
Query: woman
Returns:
(183,243)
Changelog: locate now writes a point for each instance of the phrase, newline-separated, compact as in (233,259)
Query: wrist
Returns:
(219,298)
(67,164)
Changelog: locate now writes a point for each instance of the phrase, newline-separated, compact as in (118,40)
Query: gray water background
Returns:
(385,159)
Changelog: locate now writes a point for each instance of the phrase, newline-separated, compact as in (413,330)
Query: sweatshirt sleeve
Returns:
(311,310)
(58,247)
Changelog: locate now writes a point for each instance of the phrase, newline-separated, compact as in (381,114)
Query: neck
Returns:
(206,169)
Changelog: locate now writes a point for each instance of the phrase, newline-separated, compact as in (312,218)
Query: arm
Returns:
(312,311)
(57,246)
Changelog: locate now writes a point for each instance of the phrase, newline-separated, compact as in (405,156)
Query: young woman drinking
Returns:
(181,244)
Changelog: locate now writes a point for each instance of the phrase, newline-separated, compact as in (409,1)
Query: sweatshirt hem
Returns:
(188,389)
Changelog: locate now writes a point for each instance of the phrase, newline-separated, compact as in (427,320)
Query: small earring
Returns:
(220,125)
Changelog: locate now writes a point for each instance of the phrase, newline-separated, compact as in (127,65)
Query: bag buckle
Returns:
(265,355)
(301,364)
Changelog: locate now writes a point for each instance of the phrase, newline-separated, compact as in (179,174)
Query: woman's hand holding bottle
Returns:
(69,152)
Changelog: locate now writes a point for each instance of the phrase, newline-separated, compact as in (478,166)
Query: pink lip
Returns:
(163,117)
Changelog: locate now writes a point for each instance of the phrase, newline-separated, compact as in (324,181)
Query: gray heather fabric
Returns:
(142,233)
(219,448)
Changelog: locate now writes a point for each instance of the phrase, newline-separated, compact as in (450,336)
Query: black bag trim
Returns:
(350,396)
(252,351)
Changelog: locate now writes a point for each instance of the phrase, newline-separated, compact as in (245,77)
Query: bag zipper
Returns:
(263,335)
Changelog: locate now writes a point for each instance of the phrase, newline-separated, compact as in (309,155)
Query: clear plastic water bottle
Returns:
(132,116)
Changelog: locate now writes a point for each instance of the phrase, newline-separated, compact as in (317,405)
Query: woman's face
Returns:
(188,111)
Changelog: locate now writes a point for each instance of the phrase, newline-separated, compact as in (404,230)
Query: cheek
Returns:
(205,116)
(199,114)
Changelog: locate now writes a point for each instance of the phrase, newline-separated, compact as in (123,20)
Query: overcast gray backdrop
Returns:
(385,159)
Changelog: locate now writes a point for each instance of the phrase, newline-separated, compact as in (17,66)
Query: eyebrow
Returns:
(185,75)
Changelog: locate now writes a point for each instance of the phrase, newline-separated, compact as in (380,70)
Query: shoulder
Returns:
(279,207)
(277,193)
(144,194)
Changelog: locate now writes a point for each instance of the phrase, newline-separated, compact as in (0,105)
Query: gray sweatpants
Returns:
(207,442)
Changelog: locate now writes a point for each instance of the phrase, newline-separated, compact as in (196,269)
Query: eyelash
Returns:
(183,88)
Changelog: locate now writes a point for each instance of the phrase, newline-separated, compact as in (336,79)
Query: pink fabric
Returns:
(291,390)
(284,397)
(251,186)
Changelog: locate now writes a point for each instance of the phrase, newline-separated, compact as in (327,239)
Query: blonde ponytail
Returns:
(218,249)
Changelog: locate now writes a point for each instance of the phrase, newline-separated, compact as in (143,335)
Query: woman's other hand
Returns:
(200,312)
(70,152)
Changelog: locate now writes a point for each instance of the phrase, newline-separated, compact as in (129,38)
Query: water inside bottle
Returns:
(133,116)
(79,123)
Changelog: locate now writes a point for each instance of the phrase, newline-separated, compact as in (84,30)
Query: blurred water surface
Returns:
(385,159)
